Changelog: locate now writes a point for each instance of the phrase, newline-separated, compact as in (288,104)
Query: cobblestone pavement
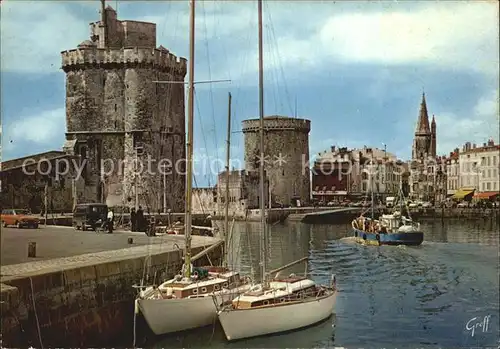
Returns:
(77,247)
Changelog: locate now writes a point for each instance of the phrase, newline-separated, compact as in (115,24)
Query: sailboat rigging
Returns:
(275,305)
(187,300)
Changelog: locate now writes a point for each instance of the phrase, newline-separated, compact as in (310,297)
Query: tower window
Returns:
(115,107)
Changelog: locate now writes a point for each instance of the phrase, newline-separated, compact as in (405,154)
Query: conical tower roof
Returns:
(423,118)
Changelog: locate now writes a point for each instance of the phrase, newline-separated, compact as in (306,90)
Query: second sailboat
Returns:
(281,304)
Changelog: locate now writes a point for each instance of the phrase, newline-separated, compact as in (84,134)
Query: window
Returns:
(488,185)
(494,161)
(489,173)
(483,187)
(494,185)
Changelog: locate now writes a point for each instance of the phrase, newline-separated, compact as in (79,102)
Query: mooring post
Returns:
(130,241)
(32,250)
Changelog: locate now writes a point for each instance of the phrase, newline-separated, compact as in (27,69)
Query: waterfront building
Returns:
(479,170)
(346,173)
(115,112)
(452,172)
(243,192)
(115,116)
(286,156)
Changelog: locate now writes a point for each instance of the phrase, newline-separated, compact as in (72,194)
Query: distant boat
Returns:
(389,229)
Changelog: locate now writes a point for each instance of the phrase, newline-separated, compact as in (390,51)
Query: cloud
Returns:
(481,124)
(42,128)
(32,42)
(451,35)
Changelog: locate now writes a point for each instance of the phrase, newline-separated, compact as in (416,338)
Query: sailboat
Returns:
(278,304)
(189,299)
(389,229)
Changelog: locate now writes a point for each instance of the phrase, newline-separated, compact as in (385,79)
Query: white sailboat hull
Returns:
(245,323)
(173,315)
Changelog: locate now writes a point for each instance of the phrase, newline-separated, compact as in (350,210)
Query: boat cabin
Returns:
(217,280)
(280,291)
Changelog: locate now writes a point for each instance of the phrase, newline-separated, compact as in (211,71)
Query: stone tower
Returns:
(286,148)
(424,143)
(116,113)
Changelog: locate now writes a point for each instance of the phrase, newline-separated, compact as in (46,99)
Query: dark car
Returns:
(87,215)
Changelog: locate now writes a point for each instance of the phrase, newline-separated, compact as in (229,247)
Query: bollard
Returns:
(130,241)
(32,250)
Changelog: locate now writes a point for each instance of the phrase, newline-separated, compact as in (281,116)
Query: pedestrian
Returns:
(133,220)
(140,219)
(111,218)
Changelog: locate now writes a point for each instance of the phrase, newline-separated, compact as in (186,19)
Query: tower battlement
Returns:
(277,123)
(159,58)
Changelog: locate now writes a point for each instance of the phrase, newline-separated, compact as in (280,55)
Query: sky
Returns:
(356,69)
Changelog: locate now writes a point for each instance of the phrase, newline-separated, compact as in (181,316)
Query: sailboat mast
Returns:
(371,184)
(401,195)
(263,239)
(189,175)
(228,150)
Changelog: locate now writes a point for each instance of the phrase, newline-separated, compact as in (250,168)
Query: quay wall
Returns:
(86,300)
(124,219)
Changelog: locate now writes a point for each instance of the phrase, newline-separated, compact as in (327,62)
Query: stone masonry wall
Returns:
(86,305)
(112,92)
(204,201)
(290,138)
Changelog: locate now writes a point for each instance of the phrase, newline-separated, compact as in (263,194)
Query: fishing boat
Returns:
(189,299)
(282,303)
(388,229)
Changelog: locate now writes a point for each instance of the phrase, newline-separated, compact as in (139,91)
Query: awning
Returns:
(462,193)
(486,195)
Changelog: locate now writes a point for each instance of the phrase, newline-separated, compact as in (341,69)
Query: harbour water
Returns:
(442,294)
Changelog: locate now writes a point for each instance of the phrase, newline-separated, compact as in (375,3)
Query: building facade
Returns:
(479,167)
(123,125)
(353,173)
(244,192)
(39,181)
(286,156)
(452,172)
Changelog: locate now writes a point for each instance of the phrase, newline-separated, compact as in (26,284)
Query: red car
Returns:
(19,218)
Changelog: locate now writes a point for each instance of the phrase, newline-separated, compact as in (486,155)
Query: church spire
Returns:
(423,118)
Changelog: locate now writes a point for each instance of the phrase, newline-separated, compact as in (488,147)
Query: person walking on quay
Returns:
(140,219)
(111,218)
(133,219)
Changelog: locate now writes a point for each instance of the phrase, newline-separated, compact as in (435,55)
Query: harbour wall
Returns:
(85,300)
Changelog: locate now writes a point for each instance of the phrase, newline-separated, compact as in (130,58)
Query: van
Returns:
(86,215)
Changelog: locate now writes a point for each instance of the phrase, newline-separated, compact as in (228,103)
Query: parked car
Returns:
(426,205)
(463,204)
(86,215)
(20,218)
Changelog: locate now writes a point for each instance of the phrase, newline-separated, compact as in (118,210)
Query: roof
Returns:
(18,163)
(495,147)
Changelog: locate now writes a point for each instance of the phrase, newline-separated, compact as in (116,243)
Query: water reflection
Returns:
(401,297)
